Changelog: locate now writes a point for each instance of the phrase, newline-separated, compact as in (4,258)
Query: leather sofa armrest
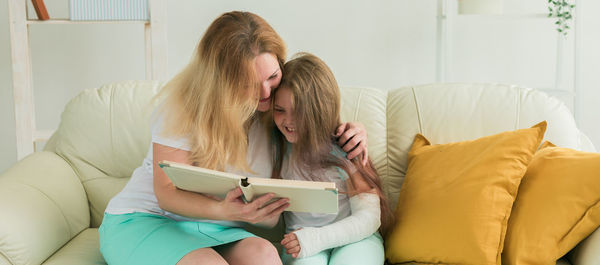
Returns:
(587,251)
(43,205)
(585,143)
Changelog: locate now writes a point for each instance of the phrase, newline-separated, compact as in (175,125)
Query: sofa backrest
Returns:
(104,133)
(447,113)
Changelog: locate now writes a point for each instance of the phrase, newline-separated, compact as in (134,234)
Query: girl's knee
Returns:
(321,258)
(367,251)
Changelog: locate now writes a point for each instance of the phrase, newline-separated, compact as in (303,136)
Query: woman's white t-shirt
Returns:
(138,195)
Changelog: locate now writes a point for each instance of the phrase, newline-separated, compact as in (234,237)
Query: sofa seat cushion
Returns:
(83,249)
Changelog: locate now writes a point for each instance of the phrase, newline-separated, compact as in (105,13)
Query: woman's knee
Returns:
(202,256)
(254,249)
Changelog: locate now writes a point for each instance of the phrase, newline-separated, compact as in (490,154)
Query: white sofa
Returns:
(51,202)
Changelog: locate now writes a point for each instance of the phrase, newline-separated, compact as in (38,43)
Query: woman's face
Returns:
(283,114)
(269,74)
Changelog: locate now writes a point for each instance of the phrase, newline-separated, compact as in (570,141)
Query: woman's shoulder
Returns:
(160,136)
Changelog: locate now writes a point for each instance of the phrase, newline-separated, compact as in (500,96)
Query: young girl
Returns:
(306,108)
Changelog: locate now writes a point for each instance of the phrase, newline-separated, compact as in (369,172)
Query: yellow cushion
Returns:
(557,206)
(455,202)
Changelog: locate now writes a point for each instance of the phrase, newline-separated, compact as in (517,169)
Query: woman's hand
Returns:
(291,244)
(352,137)
(234,208)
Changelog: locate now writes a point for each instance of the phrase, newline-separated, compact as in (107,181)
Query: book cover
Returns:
(304,196)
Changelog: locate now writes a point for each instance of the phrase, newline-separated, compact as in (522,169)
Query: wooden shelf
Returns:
(508,16)
(27,134)
(42,135)
(558,92)
(67,21)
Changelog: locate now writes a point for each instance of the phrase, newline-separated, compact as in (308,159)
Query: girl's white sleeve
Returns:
(363,222)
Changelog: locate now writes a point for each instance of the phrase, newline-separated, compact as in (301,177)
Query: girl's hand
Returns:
(291,244)
(234,208)
(352,137)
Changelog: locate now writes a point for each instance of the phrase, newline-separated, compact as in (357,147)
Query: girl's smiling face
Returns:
(283,114)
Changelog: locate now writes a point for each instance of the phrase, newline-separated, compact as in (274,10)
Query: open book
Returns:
(304,196)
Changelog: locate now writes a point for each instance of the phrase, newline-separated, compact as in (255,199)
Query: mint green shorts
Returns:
(368,251)
(143,238)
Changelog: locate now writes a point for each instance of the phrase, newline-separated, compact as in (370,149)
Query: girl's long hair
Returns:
(316,106)
(213,100)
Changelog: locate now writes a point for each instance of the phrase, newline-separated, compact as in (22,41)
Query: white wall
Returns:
(589,74)
(381,43)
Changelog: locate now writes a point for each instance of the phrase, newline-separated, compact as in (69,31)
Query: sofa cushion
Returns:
(42,206)
(368,106)
(104,135)
(562,185)
(456,199)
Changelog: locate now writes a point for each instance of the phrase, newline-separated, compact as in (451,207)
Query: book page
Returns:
(292,183)
(305,196)
(200,180)
(302,199)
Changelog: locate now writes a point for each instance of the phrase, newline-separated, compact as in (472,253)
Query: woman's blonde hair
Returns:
(213,100)
(316,108)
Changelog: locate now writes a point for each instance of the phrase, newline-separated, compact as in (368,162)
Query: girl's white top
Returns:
(296,220)
(138,195)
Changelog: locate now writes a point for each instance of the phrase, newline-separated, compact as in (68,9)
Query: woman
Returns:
(209,116)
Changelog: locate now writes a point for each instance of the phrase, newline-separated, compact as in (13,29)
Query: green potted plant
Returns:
(561,10)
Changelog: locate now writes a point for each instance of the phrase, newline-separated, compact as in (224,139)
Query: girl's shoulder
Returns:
(338,152)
